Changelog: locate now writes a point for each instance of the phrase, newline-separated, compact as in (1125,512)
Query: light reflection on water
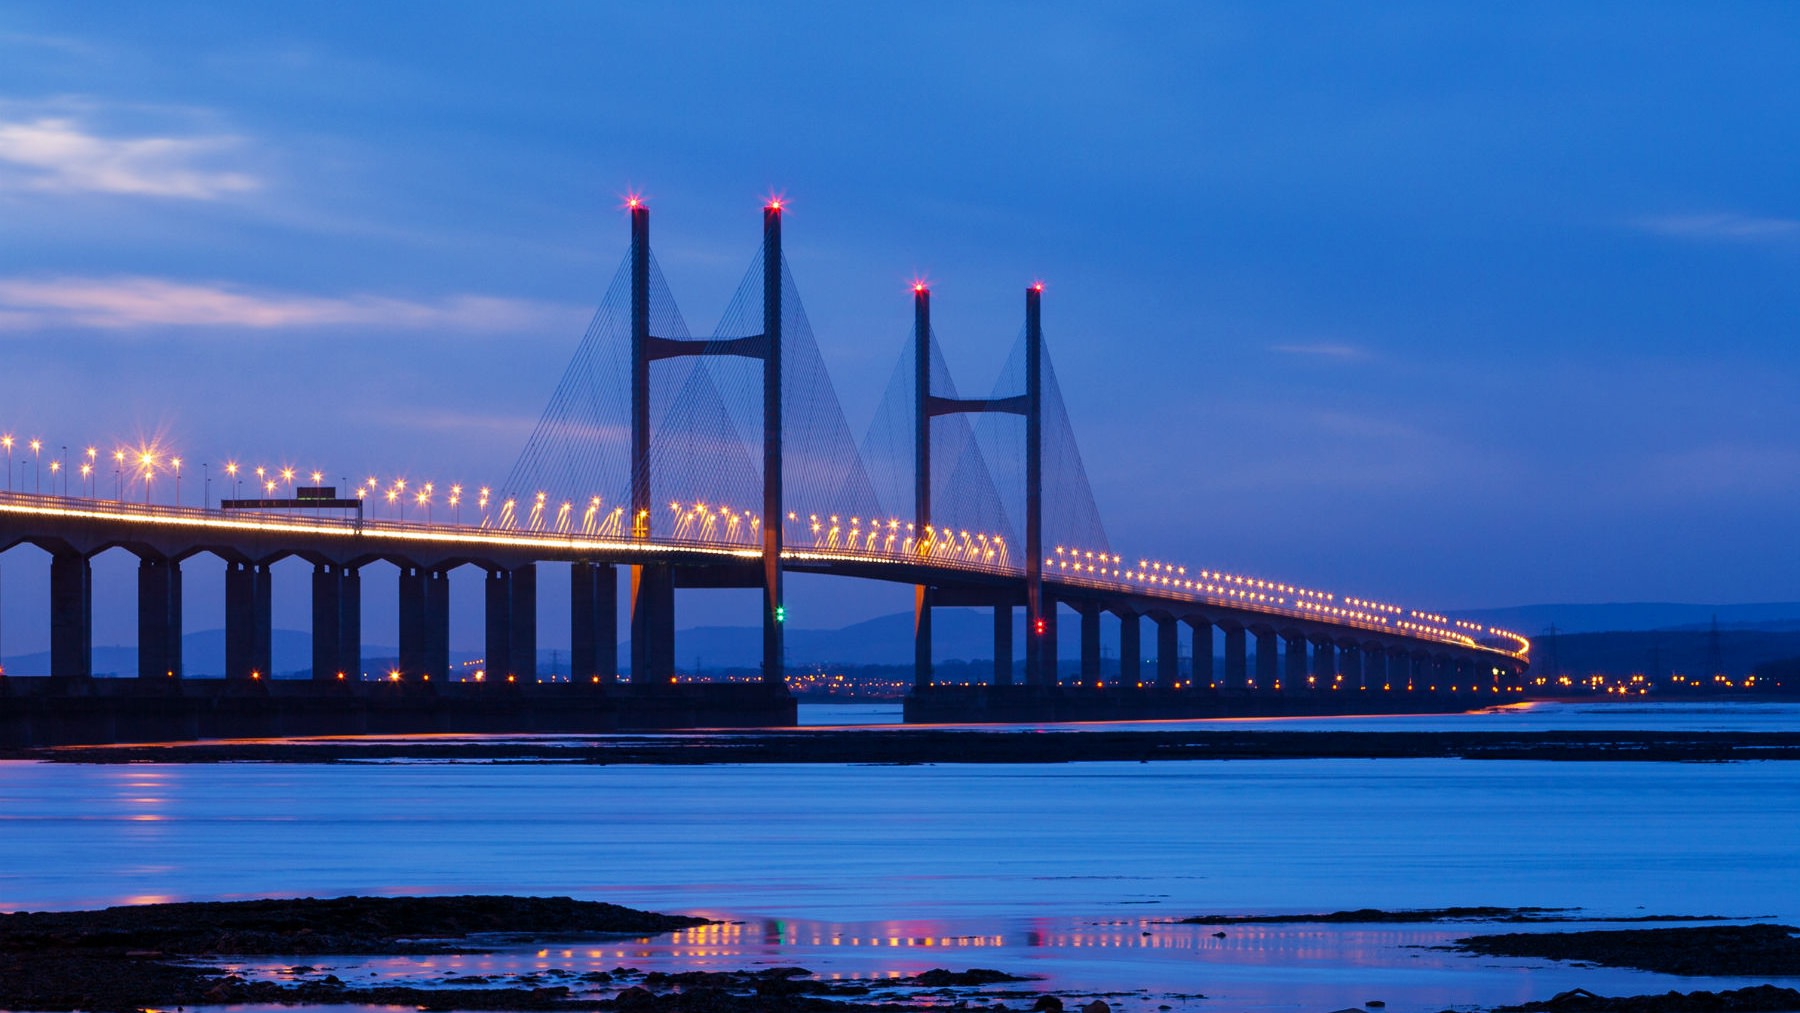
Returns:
(1138,965)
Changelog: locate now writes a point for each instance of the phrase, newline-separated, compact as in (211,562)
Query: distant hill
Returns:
(1617,638)
(1533,620)
(1659,653)
(885,640)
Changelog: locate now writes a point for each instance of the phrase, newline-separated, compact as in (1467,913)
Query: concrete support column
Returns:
(159,618)
(522,660)
(1421,677)
(1203,653)
(1003,645)
(652,626)
(1090,647)
(497,651)
(1324,664)
(1375,669)
(337,624)
(1293,672)
(594,623)
(1168,652)
(71,616)
(1350,664)
(248,608)
(1266,666)
(437,626)
(1049,658)
(1131,650)
(921,636)
(1237,674)
(1437,671)
(414,653)
(1477,675)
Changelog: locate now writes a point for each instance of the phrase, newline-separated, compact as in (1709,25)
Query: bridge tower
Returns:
(653,585)
(1040,651)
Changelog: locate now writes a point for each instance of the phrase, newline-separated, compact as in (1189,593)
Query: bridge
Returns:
(726,461)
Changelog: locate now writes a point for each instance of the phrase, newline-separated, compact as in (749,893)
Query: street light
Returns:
(87,474)
(37,474)
(237,484)
(7,442)
(176,461)
(119,475)
(206,486)
(147,459)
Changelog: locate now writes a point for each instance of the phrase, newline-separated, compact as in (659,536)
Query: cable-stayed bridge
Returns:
(726,460)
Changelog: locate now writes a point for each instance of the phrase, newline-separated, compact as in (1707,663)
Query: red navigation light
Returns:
(920,286)
(1038,627)
(777,202)
(1037,286)
(634,199)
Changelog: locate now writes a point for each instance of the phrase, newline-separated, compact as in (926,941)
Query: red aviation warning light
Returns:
(1038,627)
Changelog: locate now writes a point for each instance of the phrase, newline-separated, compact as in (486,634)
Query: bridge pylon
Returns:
(1040,619)
(653,585)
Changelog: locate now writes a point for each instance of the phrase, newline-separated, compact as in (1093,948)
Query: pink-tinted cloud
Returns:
(60,154)
(129,303)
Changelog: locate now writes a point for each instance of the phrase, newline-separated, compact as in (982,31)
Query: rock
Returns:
(1047,1004)
(1097,1006)
(634,997)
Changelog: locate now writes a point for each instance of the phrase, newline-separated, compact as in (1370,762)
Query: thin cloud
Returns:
(1323,350)
(132,303)
(60,43)
(60,154)
(1728,227)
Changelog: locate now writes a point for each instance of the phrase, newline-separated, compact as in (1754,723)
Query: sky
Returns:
(1461,306)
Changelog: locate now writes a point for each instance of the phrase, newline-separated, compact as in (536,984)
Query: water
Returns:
(1069,871)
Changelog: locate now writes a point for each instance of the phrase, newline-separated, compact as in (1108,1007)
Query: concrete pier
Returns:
(159,618)
(1131,649)
(248,621)
(594,623)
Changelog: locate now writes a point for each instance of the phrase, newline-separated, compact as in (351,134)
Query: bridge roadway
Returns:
(1301,637)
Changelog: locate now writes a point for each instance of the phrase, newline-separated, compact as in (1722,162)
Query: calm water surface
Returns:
(1068,871)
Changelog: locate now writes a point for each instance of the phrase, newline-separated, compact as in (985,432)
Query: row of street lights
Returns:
(146,463)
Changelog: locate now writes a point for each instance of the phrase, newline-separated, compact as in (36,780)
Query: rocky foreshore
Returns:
(171,955)
(1735,950)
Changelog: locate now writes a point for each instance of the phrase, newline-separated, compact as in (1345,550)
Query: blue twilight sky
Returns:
(1457,305)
